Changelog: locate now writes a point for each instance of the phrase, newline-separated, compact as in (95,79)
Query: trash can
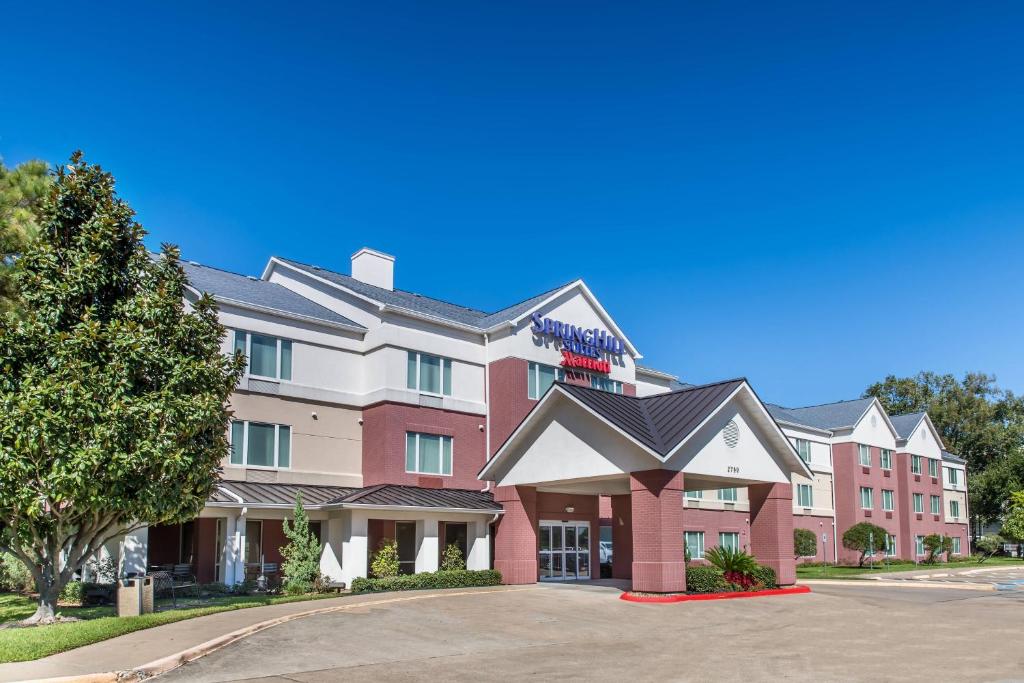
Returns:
(135,596)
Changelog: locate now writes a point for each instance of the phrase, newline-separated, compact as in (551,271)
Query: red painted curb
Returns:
(793,590)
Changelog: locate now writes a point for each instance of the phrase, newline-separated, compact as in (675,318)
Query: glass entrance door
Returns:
(564,551)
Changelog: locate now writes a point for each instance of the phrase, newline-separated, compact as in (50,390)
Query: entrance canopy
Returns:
(587,441)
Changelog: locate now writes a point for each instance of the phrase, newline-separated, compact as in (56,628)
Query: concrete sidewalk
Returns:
(134,650)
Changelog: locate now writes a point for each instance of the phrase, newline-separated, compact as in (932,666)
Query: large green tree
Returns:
(113,394)
(22,191)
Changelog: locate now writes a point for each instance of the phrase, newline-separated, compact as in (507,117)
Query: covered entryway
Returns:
(564,551)
(578,444)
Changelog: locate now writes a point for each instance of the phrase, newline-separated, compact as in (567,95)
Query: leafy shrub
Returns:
(805,543)
(103,571)
(14,575)
(246,587)
(322,584)
(736,565)
(297,587)
(73,593)
(452,559)
(703,579)
(462,578)
(936,545)
(866,538)
(989,545)
(302,554)
(385,562)
(215,588)
(765,577)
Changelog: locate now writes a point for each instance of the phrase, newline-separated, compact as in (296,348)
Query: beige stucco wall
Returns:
(325,450)
(955,495)
(821,492)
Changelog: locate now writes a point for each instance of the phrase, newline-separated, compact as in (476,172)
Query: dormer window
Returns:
(268,357)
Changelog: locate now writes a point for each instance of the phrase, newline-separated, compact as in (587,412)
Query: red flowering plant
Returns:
(738,568)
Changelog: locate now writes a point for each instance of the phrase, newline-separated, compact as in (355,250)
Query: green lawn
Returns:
(99,623)
(832,572)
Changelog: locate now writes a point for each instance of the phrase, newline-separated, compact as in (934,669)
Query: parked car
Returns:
(605,551)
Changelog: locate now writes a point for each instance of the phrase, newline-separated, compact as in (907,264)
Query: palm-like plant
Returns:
(736,565)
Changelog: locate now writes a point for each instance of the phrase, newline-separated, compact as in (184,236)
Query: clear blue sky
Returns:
(808,194)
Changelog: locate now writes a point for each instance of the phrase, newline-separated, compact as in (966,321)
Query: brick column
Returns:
(657,508)
(515,535)
(771,529)
(622,536)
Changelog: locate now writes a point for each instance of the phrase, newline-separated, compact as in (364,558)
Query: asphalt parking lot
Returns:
(838,632)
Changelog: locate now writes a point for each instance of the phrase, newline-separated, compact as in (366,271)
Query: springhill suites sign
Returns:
(581,347)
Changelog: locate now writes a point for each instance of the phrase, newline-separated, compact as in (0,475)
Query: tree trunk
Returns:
(47,607)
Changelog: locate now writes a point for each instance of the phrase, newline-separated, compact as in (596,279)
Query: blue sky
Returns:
(811,195)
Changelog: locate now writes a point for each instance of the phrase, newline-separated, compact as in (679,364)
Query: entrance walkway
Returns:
(616,585)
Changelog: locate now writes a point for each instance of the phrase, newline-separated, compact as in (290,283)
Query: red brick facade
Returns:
(657,508)
(771,529)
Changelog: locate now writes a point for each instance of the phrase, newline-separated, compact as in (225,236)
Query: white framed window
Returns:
(540,377)
(694,495)
(956,545)
(729,539)
(919,546)
(867,497)
(918,503)
(805,495)
(429,374)
(936,504)
(428,453)
(695,544)
(953,476)
(864,455)
(933,467)
(259,444)
(266,357)
(803,449)
(954,508)
(728,495)
(605,384)
(886,459)
(890,545)
(887,500)
(915,464)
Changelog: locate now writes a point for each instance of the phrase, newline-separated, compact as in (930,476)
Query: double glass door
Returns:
(564,551)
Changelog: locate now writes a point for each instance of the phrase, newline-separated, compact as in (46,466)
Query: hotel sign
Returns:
(581,347)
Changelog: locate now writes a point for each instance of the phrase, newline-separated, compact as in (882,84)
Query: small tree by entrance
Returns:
(385,562)
(805,543)
(865,538)
(301,565)
(452,559)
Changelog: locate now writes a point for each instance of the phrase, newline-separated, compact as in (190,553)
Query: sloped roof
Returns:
(827,416)
(225,285)
(425,305)
(950,457)
(906,424)
(415,496)
(253,493)
(659,422)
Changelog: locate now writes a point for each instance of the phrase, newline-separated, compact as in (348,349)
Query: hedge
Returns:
(706,579)
(765,576)
(460,578)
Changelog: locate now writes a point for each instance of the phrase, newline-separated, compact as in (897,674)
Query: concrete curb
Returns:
(899,584)
(165,664)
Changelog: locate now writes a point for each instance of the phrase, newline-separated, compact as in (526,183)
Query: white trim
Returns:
(424,508)
(651,372)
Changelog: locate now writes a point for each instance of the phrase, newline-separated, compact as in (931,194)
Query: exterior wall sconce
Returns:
(570,509)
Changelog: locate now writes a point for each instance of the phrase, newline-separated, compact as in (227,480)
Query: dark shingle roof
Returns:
(828,416)
(949,457)
(277,494)
(905,424)
(424,304)
(662,421)
(269,295)
(415,496)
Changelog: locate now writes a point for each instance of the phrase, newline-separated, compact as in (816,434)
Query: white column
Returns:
(239,547)
(353,546)
(479,541)
(330,556)
(135,553)
(228,550)
(428,550)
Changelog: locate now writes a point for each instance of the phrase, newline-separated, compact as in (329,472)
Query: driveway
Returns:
(572,632)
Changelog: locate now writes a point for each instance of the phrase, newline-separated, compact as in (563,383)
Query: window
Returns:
(428,453)
(890,545)
(956,545)
(887,500)
(886,459)
(695,495)
(729,539)
(728,495)
(867,498)
(936,504)
(864,454)
(954,508)
(539,378)
(953,476)
(429,374)
(803,449)
(918,503)
(804,495)
(933,467)
(256,444)
(605,384)
(915,464)
(695,544)
(919,545)
(268,357)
